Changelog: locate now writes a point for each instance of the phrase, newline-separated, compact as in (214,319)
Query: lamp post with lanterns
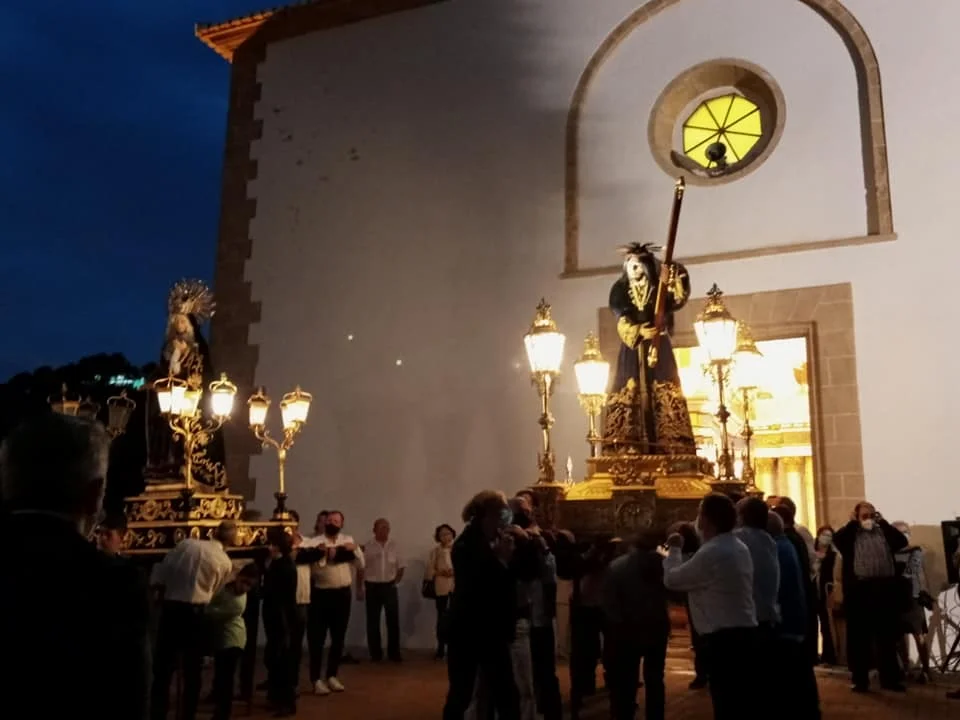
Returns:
(119,409)
(180,405)
(717,334)
(294,408)
(544,346)
(593,374)
(747,366)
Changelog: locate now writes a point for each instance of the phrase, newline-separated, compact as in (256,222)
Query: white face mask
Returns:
(826,539)
(867,524)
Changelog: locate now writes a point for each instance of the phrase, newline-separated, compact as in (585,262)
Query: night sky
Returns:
(113,115)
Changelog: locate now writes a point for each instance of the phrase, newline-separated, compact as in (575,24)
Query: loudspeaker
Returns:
(951,542)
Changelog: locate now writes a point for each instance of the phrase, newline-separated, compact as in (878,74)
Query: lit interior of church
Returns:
(774,400)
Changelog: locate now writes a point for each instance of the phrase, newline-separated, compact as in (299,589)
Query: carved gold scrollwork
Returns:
(674,430)
(622,421)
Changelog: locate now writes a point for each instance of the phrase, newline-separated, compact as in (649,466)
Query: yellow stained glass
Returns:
(730,119)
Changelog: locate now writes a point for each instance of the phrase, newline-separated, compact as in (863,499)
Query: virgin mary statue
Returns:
(185,356)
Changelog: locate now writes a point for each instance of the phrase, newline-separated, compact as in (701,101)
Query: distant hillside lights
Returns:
(123,381)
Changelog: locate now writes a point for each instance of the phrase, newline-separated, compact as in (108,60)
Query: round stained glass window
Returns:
(721,131)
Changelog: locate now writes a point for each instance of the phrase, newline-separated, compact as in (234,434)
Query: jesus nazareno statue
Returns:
(646,410)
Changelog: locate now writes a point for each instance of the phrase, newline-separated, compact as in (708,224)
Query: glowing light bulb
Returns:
(399,362)
(350,337)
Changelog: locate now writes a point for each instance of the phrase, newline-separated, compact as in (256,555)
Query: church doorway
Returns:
(770,424)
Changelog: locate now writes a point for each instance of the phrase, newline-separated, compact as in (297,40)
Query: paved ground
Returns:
(415,691)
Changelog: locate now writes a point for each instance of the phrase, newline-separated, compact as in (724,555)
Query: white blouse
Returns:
(440,560)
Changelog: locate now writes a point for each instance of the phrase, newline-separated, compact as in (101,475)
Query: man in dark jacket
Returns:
(637,628)
(873,598)
(68,612)
(483,613)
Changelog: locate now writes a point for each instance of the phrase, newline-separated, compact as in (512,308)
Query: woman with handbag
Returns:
(438,582)
(917,601)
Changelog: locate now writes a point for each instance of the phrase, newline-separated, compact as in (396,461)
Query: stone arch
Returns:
(876,175)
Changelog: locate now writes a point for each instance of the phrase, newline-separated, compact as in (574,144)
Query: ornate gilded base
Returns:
(168,512)
(629,493)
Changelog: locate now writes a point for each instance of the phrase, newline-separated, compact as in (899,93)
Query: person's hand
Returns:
(350,547)
(675,541)
(647,331)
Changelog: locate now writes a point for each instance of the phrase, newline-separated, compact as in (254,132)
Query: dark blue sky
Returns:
(113,116)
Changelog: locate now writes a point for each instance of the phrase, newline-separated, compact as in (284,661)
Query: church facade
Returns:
(404,179)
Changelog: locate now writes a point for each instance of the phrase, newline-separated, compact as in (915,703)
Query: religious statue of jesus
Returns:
(646,411)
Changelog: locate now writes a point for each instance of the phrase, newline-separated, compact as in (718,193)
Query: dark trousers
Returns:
(281,673)
(794,679)
(873,624)
(829,654)
(586,631)
(624,654)
(731,656)
(297,637)
(225,664)
(469,656)
(382,599)
(443,622)
(329,613)
(543,658)
(180,637)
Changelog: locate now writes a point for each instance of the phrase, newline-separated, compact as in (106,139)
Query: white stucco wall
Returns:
(410,194)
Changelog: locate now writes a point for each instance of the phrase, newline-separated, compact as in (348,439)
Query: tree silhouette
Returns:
(27,395)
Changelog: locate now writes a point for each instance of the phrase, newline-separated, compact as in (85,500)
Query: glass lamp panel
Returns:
(545,351)
(718,337)
(258,412)
(221,402)
(747,369)
(592,376)
(190,403)
(177,395)
(118,415)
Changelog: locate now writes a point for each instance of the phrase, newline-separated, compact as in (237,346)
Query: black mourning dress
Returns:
(164,453)
(646,410)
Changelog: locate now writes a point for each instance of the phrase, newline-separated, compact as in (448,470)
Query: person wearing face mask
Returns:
(86,622)
(483,611)
(825,562)
(330,599)
(871,593)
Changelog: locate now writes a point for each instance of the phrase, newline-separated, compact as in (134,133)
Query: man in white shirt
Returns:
(718,580)
(189,576)
(330,600)
(377,583)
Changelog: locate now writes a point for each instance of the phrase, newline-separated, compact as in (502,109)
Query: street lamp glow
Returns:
(544,343)
(294,408)
(716,329)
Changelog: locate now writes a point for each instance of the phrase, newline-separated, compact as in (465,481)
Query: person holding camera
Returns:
(872,595)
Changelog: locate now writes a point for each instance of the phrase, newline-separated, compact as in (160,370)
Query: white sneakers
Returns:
(325,688)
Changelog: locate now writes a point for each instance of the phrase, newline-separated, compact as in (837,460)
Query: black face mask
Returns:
(331,530)
(522,520)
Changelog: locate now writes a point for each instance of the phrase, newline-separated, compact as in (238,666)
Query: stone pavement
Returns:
(415,690)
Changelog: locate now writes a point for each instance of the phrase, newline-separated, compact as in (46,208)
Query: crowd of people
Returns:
(764,599)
